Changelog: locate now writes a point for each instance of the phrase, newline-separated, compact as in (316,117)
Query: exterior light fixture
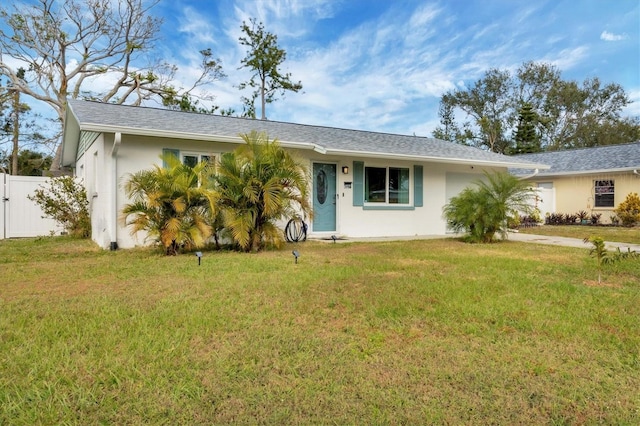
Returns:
(199,255)
(345,170)
(296,255)
(334,238)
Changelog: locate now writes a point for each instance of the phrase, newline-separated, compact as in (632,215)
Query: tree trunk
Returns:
(16,132)
(263,105)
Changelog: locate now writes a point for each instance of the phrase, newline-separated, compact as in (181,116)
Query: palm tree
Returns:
(173,204)
(483,211)
(259,184)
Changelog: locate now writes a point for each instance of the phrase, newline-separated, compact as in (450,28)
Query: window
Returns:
(604,193)
(386,185)
(192,160)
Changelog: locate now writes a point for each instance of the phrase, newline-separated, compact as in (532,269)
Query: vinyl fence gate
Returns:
(19,216)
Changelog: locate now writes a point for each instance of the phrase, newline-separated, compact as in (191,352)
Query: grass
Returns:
(416,332)
(608,233)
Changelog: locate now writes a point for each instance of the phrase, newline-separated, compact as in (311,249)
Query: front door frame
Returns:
(331,197)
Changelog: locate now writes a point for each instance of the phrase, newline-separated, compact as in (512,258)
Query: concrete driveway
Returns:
(513,236)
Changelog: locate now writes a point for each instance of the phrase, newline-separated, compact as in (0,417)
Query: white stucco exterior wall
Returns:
(97,165)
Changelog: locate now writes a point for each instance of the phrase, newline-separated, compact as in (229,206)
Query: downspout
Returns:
(534,174)
(114,192)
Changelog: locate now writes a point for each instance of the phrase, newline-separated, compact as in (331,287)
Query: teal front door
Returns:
(324,197)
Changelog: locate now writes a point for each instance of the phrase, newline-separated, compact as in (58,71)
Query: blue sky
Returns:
(383,65)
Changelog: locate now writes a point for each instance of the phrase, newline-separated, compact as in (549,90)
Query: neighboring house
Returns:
(595,180)
(365,184)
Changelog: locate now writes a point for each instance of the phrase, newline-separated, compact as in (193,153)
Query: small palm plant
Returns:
(172,204)
(258,185)
(600,252)
(485,210)
(604,257)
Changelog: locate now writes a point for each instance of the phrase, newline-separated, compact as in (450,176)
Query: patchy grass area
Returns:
(417,332)
(608,233)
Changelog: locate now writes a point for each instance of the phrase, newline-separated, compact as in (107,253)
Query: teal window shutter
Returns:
(166,151)
(358,183)
(417,186)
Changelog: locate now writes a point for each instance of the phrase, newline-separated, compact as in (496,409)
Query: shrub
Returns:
(486,210)
(614,220)
(629,210)
(582,215)
(172,205)
(260,184)
(64,199)
(570,219)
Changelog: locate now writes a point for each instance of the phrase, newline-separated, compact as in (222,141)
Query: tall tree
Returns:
(568,114)
(263,58)
(65,44)
(527,139)
(19,129)
(487,104)
(587,115)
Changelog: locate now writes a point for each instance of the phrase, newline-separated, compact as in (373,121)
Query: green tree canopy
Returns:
(562,114)
(527,138)
(30,163)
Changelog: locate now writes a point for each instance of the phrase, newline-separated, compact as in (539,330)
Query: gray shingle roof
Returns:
(103,117)
(586,160)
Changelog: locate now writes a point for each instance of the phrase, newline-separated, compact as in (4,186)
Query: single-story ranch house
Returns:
(365,184)
(595,180)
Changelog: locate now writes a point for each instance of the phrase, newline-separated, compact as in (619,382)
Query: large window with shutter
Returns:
(386,187)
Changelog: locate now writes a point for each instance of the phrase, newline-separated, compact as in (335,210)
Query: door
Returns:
(3,206)
(324,197)
(546,200)
(20,216)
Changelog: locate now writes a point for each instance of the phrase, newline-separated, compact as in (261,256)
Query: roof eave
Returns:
(590,172)
(181,135)
(446,160)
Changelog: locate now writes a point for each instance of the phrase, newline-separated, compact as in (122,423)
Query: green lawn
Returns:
(418,332)
(608,233)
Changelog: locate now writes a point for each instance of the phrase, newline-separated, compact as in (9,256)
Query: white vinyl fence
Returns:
(19,216)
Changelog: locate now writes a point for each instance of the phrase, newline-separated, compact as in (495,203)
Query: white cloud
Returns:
(196,26)
(607,36)
(633,109)
(285,18)
(568,58)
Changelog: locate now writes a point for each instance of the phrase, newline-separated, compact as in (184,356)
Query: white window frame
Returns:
(386,201)
(608,187)
(199,155)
